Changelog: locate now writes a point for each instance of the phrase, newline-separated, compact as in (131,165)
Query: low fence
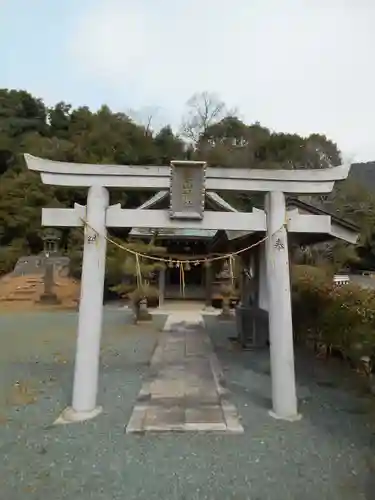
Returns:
(341,279)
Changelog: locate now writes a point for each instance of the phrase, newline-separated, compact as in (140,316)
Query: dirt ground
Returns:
(22,293)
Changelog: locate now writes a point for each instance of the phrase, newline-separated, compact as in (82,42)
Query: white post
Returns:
(263,291)
(161,287)
(253,266)
(90,309)
(284,399)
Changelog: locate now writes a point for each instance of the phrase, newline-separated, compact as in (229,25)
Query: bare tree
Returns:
(203,110)
(146,117)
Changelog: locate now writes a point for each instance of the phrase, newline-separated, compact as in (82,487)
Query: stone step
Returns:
(23,292)
(17,299)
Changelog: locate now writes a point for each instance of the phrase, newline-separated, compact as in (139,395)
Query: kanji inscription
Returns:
(187,190)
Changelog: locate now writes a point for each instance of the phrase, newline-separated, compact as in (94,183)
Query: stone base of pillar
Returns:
(144,318)
(49,298)
(142,313)
(71,416)
(292,418)
(209,308)
(225,316)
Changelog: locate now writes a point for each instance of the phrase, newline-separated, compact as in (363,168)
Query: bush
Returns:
(10,255)
(339,317)
(148,292)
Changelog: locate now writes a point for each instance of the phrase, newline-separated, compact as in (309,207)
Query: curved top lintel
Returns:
(247,174)
(61,167)
(298,175)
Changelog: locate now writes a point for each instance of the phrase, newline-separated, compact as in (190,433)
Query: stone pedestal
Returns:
(143,313)
(48,297)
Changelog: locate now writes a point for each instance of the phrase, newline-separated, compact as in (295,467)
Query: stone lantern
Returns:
(226,288)
(51,240)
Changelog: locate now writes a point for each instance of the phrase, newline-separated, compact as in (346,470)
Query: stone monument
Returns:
(50,240)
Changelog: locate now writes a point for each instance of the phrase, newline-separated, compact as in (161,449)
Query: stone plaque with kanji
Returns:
(187,189)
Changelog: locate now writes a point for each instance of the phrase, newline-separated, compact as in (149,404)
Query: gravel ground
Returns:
(329,454)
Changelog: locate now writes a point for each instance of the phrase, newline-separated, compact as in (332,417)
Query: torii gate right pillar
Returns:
(284,398)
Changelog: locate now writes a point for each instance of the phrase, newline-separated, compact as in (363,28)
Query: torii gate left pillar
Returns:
(90,319)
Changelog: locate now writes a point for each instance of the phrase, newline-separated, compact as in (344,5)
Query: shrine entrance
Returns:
(193,284)
(189,184)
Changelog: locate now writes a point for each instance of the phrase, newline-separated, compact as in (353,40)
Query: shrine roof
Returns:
(341,228)
(172,233)
(303,206)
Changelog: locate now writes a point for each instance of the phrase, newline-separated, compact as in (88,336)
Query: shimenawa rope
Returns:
(170,260)
(180,263)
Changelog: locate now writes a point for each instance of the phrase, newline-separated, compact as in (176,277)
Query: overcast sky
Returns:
(294,65)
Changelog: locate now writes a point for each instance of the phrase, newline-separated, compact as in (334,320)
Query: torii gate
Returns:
(187,181)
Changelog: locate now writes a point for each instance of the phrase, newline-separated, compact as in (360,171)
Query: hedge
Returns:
(339,317)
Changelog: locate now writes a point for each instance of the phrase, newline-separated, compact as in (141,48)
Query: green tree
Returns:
(168,146)
(139,273)
(59,119)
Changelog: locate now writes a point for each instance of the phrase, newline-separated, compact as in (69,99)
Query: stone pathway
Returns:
(185,390)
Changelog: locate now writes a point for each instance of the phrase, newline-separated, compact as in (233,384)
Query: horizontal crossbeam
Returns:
(156,219)
(158,183)
(231,221)
(64,217)
(269,185)
(301,223)
(159,219)
(319,224)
